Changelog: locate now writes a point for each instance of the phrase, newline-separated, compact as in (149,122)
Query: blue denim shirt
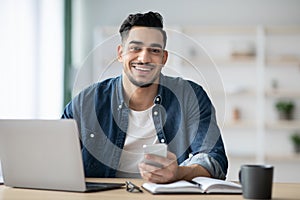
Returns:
(183,116)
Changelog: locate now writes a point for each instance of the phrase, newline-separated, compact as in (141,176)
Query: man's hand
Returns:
(170,171)
(167,173)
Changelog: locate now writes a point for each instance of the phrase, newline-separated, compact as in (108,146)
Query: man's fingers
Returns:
(164,174)
(154,170)
(162,160)
(148,167)
(151,173)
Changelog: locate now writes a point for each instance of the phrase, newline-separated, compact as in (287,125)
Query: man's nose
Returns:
(144,56)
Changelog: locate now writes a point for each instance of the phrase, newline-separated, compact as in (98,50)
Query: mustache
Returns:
(147,64)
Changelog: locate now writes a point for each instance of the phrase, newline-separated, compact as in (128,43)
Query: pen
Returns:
(195,183)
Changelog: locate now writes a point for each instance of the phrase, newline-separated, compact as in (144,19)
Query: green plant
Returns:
(296,138)
(285,106)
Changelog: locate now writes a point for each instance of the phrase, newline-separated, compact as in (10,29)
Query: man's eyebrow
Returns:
(136,42)
(156,45)
(141,43)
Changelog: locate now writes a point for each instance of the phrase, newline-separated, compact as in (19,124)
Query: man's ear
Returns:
(165,56)
(120,53)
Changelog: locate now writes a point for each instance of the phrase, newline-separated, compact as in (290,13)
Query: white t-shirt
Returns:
(140,131)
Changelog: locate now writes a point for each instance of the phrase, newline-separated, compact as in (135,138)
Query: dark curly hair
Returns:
(149,19)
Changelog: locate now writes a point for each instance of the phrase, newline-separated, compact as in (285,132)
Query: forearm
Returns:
(191,171)
(207,162)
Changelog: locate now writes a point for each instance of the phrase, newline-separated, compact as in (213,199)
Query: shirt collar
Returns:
(157,98)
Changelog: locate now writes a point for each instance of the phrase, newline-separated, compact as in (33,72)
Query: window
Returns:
(31,69)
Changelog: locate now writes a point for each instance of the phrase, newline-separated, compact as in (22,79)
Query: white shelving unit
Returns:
(249,60)
(283,67)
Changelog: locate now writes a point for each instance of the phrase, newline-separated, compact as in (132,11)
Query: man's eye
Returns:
(135,48)
(156,50)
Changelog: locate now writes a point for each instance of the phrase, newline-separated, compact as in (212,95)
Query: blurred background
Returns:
(247,51)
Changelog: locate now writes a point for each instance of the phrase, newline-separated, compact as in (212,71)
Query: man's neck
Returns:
(140,98)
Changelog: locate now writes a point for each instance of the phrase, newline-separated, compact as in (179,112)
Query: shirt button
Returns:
(92,135)
(155,113)
(162,140)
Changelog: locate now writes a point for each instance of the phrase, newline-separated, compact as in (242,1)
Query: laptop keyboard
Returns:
(91,186)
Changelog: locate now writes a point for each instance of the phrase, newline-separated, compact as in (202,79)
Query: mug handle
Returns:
(240,177)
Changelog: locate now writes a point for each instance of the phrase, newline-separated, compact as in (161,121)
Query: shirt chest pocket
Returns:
(99,146)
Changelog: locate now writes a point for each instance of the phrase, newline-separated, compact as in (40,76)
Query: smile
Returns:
(142,69)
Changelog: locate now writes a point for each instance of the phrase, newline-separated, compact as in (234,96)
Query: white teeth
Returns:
(142,69)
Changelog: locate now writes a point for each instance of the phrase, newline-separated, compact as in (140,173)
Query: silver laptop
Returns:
(44,154)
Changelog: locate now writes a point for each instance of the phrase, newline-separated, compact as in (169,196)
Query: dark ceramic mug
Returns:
(256,181)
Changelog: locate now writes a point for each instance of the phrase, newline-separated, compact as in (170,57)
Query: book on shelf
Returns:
(197,185)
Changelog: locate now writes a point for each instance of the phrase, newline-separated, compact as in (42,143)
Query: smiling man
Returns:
(118,116)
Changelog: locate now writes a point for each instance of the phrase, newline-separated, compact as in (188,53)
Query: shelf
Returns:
(269,158)
(240,124)
(241,93)
(283,61)
(287,158)
(279,124)
(233,93)
(220,30)
(224,61)
(282,93)
(236,61)
(282,30)
(283,124)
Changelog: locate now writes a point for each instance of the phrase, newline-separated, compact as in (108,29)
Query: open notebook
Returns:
(197,185)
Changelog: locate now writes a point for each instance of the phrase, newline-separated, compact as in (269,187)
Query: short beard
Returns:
(146,85)
(140,84)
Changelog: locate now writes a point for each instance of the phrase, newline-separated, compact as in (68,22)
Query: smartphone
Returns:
(156,149)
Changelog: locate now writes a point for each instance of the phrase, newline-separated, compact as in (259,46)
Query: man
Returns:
(118,116)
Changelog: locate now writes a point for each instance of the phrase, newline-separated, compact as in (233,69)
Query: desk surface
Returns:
(280,191)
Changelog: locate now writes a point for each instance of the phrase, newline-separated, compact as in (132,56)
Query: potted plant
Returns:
(296,141)
(285,109)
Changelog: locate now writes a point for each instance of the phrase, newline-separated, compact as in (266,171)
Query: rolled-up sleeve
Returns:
(208,162)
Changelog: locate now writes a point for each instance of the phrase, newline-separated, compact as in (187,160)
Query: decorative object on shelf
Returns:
(296,141)
(274,84)
(193,52)
(243,49)
(236,114)
(285,109)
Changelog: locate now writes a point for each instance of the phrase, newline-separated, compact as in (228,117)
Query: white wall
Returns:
(94,13)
